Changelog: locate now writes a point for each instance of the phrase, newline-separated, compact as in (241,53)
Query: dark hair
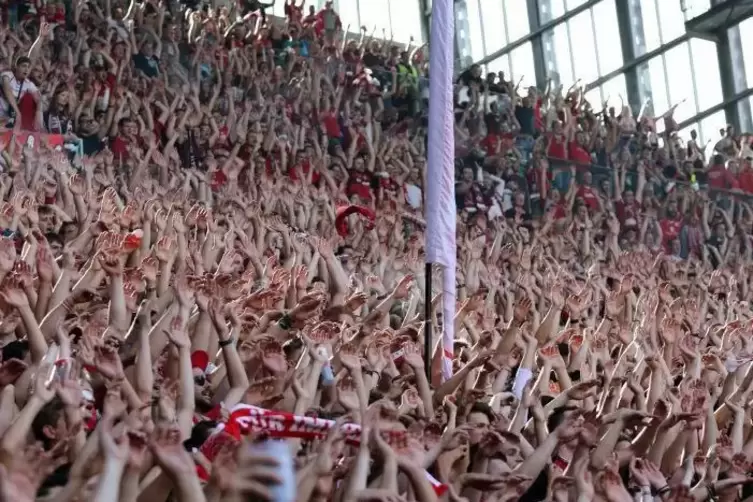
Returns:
(375,395)
(48,415)
(16,349)
(53,237)
(199,434)
(22,59)
(482,407)
(67,224)
(558,416)
(291,346)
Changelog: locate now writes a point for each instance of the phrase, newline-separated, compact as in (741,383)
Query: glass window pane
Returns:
(278,9)
(677,61)
(707,77)
(493,19)
(659,99)
(584,45)
(375,12)
(571,4)
(556,9)
(500,64)
(405,18)
(672,23)
(696,8)
(474,25)
(607,36)
(612,90)
(710,128)
(516,20)
(594,98)
(650,25)
(348,12)
(746,40)
(563,64)
(521,66)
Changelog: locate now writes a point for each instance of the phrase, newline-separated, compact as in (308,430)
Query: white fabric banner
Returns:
(440,193)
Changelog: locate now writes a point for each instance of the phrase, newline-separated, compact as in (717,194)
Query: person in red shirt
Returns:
(125,140)
(719,175)
(587,194)
(560,204)
(294,12)
(578,151)
(557,149)
(671,224)
(328,22)
(745,177)
(359,182)
(627,207)
(303,167)
(330,124)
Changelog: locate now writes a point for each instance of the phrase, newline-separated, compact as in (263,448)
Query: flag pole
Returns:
(440,207)
(428,322)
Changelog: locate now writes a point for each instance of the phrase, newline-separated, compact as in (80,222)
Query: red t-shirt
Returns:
(720,177)
(557,147)
(27,105)
(589,197)
(293,12)
(331,126)
(360,184)
(560,210)
(305,167)
(119,147)
(745,180)
(108,84)
(579,155)
(505,141)
(670,229)
(625,210)
(389,185)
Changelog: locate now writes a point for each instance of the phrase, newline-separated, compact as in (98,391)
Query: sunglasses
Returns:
(200,380)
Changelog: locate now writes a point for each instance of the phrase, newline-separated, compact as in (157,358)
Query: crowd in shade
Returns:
(212,274)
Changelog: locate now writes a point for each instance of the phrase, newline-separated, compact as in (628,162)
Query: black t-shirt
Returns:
(716,243)
(497,89)
(466,78)
(524,215)
(92,144)
(148,65)
(58,478)
(371,60)
(191,156)
(525,117)
(537,491)
(493,122)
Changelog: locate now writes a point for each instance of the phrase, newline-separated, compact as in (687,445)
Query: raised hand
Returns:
(7,254)
(167,448)
(177,333)
(12,292)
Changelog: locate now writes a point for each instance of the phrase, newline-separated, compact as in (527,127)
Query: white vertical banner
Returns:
(440,190)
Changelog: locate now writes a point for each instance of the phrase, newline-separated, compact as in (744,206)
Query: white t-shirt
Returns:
(413,195)
(19,89)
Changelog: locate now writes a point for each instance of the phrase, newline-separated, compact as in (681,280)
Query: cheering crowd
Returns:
(211,274)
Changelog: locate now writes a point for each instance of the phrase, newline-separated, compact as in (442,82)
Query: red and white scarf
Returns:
(245,419)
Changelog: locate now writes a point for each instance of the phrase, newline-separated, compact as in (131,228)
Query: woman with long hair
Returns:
(58,119)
